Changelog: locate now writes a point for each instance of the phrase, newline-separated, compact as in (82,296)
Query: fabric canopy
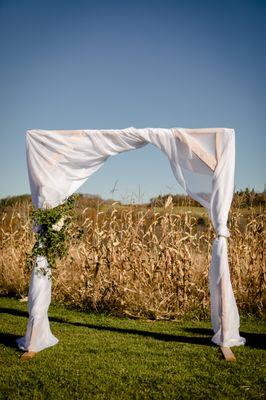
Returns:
(203,162)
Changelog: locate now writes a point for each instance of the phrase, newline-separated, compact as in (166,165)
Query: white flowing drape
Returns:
(202,161)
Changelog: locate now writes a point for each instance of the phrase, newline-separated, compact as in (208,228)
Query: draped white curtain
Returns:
(202,161)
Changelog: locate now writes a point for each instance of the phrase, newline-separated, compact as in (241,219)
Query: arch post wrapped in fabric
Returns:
(203,163)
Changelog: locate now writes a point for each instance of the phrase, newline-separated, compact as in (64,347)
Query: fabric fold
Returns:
(38,334)
(224,312)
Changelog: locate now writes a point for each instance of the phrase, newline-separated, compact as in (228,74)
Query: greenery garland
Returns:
(51,226)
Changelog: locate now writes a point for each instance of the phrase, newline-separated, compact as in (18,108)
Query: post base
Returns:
(227,353)
(28,355)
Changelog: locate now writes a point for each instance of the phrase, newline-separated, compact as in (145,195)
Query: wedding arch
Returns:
(203,163)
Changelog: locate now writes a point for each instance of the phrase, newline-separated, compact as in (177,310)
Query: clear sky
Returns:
(114,64)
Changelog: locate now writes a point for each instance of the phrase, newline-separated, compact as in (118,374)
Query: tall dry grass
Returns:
(140,261)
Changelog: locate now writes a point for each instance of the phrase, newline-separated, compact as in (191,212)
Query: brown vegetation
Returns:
(139,260)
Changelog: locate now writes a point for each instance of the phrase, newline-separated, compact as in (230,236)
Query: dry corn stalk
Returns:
(139,261)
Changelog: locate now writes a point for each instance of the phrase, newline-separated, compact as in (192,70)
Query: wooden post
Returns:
(28,355)
(197,149)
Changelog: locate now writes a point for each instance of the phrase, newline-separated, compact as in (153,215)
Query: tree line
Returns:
(242,198)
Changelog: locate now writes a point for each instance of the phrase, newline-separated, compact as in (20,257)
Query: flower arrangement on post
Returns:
(51,226)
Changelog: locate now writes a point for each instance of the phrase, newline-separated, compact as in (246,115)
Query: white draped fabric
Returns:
(202,161)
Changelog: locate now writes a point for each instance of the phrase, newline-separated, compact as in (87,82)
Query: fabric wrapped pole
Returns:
(224,312)
(59,162)
(38,335)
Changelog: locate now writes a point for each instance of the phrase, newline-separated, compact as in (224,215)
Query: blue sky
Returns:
(115,64)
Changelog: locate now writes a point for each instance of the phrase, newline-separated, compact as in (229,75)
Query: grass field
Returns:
(105,357)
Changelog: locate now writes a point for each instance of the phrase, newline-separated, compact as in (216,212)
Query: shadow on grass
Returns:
(9,340)
(254,340)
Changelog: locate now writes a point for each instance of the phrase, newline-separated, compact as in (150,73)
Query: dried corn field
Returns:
(139,261)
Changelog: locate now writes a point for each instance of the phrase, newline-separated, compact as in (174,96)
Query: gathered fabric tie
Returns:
(222,230)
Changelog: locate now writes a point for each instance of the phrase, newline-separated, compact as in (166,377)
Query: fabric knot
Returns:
(222,230)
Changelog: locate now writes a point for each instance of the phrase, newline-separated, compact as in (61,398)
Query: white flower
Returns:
(59,225)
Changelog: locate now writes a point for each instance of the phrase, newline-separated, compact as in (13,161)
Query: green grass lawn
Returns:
(105,357)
